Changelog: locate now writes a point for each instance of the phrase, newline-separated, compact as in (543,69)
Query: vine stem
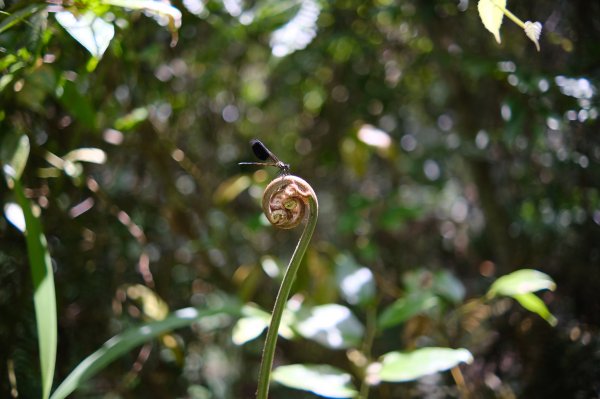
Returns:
(510,15)
(282,296)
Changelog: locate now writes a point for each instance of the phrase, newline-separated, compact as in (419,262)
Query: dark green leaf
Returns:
(405,308)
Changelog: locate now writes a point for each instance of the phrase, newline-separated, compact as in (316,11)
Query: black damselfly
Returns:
(264,154)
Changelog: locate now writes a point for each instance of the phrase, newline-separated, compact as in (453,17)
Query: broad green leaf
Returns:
(124,342)
(357,285)
(521,282)
(405,308)
(44,296)
(13,156)
(448,286)
(408,366)
(256,320)
(534,304)
(321,379)
(249,327)
(440,283)
(491,14)
(91,31)
(332,325)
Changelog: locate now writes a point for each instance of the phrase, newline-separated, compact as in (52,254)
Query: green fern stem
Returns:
(282,296)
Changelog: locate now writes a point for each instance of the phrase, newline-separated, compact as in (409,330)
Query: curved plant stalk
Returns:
(285,203)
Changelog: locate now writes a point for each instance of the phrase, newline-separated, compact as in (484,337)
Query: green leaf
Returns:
(19,16)
(132,119)
(521,285)
(405,308)
(521,282)
(357,284)
(124,342)
(332,325)
(249,327)
(91,31)
(321,379)
(408,366)
(271,14)
(77,104)
(13,155)
(44,296)
(491,15)
(534,304)
(446,285)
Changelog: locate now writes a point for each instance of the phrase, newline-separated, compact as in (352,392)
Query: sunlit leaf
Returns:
(91,31)
(152,304)
(248,328)
(534,304)
(357,284)
(124,342)
(159,8)
(405,308)
(44,296)
(408,366)
(491,15)
(298,32)
(13,155)
(330,325)
(321,379)
(521,282)
(533,30)
(252,325)
(92,155)
(14,214)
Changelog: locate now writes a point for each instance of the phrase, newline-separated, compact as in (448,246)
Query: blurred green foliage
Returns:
(442,161)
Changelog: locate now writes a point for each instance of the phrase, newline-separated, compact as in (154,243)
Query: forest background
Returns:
(441,158)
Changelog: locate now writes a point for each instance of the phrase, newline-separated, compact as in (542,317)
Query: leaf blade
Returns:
(321,379)
(408,366)
(534,304)
(121,343)
(44,296)
(521,282)
(491,15)
(405,308)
